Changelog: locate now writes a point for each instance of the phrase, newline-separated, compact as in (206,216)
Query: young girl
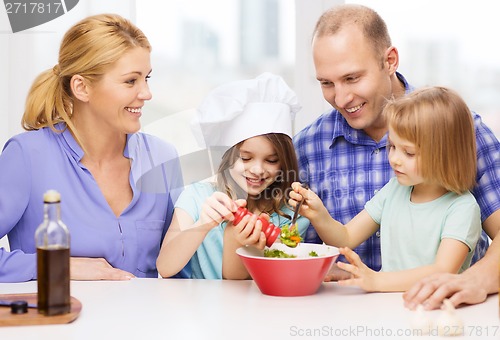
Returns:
(429,222)
(253,117)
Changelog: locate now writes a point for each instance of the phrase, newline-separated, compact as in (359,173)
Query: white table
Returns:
(204,309)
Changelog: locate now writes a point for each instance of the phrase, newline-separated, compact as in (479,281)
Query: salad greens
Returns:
(290,236)
(281,254)
(277,253)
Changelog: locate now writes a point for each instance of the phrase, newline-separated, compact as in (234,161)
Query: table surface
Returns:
(225,309)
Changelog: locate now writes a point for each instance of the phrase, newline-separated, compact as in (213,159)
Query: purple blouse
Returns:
(36,161)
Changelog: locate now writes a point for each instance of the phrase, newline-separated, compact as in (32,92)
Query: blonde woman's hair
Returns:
(277,192)
(439,123)
(88,49)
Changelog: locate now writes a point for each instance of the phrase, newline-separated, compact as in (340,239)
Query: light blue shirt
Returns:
(410,233)
(36,161)
(206,262)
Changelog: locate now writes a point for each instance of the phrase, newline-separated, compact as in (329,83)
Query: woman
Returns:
(117,185)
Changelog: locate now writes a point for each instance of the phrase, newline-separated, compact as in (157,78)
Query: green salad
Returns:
(290,236)
(277,253)
(281,254)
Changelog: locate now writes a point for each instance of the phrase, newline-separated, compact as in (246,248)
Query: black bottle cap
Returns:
(19,307)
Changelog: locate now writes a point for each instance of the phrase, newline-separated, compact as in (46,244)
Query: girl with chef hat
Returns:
(251,122)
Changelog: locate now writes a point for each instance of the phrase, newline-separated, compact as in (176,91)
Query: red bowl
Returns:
(297,276)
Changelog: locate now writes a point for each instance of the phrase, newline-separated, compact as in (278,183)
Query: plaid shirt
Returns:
(345,167)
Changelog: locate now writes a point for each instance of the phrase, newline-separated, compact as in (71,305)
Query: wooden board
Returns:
(32,317)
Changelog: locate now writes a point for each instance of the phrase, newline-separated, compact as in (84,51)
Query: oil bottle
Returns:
(52,241)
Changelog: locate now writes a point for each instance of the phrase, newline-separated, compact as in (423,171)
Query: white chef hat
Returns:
(243,109)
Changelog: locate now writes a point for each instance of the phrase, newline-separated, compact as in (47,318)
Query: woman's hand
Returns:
(89,269)
(216,208)
(362,275)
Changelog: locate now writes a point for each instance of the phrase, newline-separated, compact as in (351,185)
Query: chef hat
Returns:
(242,109)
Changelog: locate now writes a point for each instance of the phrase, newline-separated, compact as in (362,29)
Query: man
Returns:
(342,154)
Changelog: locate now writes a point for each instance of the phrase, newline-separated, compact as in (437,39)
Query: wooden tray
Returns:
(32,317)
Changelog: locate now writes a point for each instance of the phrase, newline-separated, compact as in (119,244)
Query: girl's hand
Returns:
(249,232)
(362,275)
(85,268)
(217,208)
(312,208)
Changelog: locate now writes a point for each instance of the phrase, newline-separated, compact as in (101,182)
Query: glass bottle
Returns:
(52,241)
(270,230)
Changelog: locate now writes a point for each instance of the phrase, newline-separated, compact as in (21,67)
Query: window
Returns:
(448,43)
(199,44)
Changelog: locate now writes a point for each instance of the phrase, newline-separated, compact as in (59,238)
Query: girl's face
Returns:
(403,159)
(117,99)
(257,167)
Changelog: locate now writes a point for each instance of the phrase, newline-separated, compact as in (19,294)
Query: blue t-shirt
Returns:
(206,263)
